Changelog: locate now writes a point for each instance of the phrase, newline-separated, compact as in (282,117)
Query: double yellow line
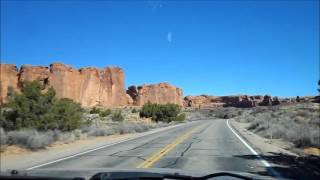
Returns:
(154,158)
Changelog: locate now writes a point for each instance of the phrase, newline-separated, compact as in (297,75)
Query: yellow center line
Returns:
(154,158)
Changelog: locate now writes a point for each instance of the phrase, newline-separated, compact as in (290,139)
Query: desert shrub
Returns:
(302,113)
(117,116)
(134,110)
(39,140)
(95,110)
(105,113)
(142,127)
(181,117)
(42,111)
(127,128)
(294,124)
(160,112)
(65,136)
(19,137)
(79,135)
(3,139)
(30,139)
(98,132)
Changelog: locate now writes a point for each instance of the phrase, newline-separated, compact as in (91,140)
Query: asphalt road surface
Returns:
(205,146)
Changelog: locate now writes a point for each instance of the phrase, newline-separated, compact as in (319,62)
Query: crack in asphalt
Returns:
(139,157)
(188,147)
(183,152)
(116,154)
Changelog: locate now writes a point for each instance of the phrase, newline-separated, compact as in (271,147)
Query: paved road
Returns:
(204,146)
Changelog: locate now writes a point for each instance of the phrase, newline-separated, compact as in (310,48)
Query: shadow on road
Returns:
(291,167)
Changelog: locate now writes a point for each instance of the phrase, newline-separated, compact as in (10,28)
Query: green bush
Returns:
(160,112)
(32,109)
(105,113)
(95,110)
(181,117)
(64,115)
(134,111)
(117,116)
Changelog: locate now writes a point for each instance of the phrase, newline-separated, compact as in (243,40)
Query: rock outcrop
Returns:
(242,101)
(202,101)
(161,93)
(88,86)
(105,87)
(8,78)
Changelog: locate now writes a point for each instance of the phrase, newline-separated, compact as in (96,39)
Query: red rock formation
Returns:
(161,93)
(8,77)
(88,86)
(205,101)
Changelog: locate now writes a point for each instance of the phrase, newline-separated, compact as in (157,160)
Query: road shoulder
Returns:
(276,152)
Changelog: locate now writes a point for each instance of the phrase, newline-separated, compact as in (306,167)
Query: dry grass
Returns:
(100,126)
(299,123)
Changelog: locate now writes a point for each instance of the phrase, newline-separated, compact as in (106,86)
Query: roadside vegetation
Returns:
(162,112)
(32,109)
(34,119)
(297,123)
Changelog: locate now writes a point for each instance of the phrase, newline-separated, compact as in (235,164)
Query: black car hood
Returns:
(122,173)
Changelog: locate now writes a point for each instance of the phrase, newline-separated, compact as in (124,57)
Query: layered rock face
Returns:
(243,101)
(161,93)
(88,86)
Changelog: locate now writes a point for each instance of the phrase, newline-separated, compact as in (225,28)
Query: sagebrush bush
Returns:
(3,139)
(126,128)
(105,113)
(94,110)
(117,116)
(30,139)
(298,124)
(181,117)
(20,137)
(38,141)
(98,132)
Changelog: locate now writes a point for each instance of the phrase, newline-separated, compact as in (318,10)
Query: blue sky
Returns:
(207,47)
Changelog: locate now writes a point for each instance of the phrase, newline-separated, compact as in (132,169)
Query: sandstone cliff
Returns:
(88,86)
(161,93)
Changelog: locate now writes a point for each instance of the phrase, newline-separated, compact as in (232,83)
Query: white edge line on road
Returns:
(108,145)
(264,162)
